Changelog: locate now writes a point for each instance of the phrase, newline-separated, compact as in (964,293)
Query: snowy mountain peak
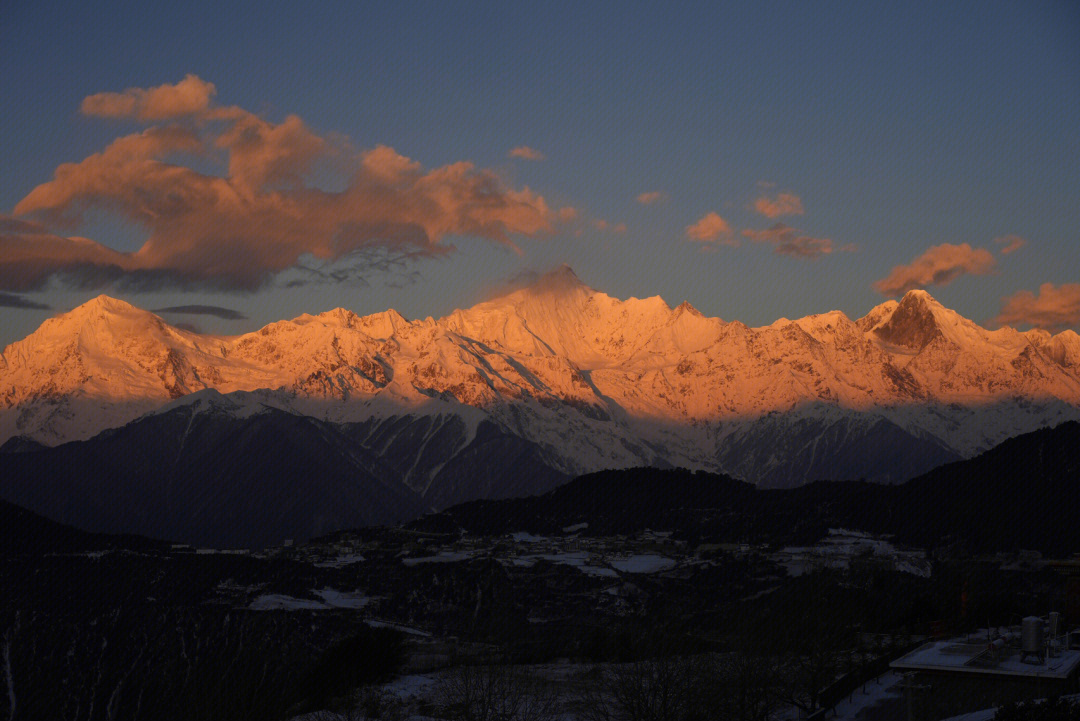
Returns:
(685,307)
(877,315)
(339,316)
(106,303)
(562,274)
(382,325)
(916,321)
(920,295)
(594,380)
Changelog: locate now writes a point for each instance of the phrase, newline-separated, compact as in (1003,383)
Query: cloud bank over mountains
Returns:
(264,213)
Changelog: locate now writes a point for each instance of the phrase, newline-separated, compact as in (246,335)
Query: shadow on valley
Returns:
(214,478)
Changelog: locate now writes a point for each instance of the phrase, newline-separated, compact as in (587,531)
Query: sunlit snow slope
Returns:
(587,380)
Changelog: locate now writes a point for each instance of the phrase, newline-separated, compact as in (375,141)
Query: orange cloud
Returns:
(1054,308)
(602,225)
(653,196)
(1012,243)
(263,214)
(783,204)
(526,153)
(189,96)
(940,265)
(711,228)
(787,241)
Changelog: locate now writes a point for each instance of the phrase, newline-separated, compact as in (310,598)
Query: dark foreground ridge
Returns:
(1022,494)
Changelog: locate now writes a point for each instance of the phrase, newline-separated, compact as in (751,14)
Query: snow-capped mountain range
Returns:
(587,380)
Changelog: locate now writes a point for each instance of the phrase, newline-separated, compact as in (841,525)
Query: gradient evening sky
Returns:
(898,127)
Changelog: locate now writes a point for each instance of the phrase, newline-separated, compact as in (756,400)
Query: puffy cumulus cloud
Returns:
(567,214)
(939,265)
(711,228)
(1054,308)
(261,215)
(190,96)
(1010,243)
(782,204)
(653,196)
(787,241)
(524,152)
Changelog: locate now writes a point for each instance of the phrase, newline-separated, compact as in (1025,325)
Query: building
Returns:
(990,667)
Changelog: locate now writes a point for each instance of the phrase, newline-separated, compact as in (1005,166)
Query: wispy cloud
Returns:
(214,310)
(1054,308)
(10,300)
(603,225)
(524,152)
(262,215)
(1010,243)
(939,265)
(712,229)
(653,196)
(782,204)
(787,241)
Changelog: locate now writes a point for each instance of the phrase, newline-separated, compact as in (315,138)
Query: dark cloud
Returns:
(214,310)
(939,265)
(788,241)
(10,300)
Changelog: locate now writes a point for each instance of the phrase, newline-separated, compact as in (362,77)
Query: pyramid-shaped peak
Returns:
(918,319)
(685,307)
(918,295)
(105,303)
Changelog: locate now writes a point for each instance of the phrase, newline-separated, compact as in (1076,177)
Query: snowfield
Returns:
(594,381)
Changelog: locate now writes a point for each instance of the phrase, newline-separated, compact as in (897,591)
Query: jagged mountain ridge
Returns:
(586,380)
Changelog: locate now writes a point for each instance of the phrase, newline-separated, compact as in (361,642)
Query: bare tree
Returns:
(656,689)
(497,692)
(747,686)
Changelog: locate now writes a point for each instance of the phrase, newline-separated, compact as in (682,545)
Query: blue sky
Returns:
(899,126)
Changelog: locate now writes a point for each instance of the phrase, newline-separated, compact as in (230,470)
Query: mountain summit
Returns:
(581,379)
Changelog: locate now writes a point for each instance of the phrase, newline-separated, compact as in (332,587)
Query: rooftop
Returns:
(972,654)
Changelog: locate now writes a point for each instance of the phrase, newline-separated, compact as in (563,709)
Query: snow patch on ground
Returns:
(441,557)
(882,689)
(340,561)
(331,599)
(642,563)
